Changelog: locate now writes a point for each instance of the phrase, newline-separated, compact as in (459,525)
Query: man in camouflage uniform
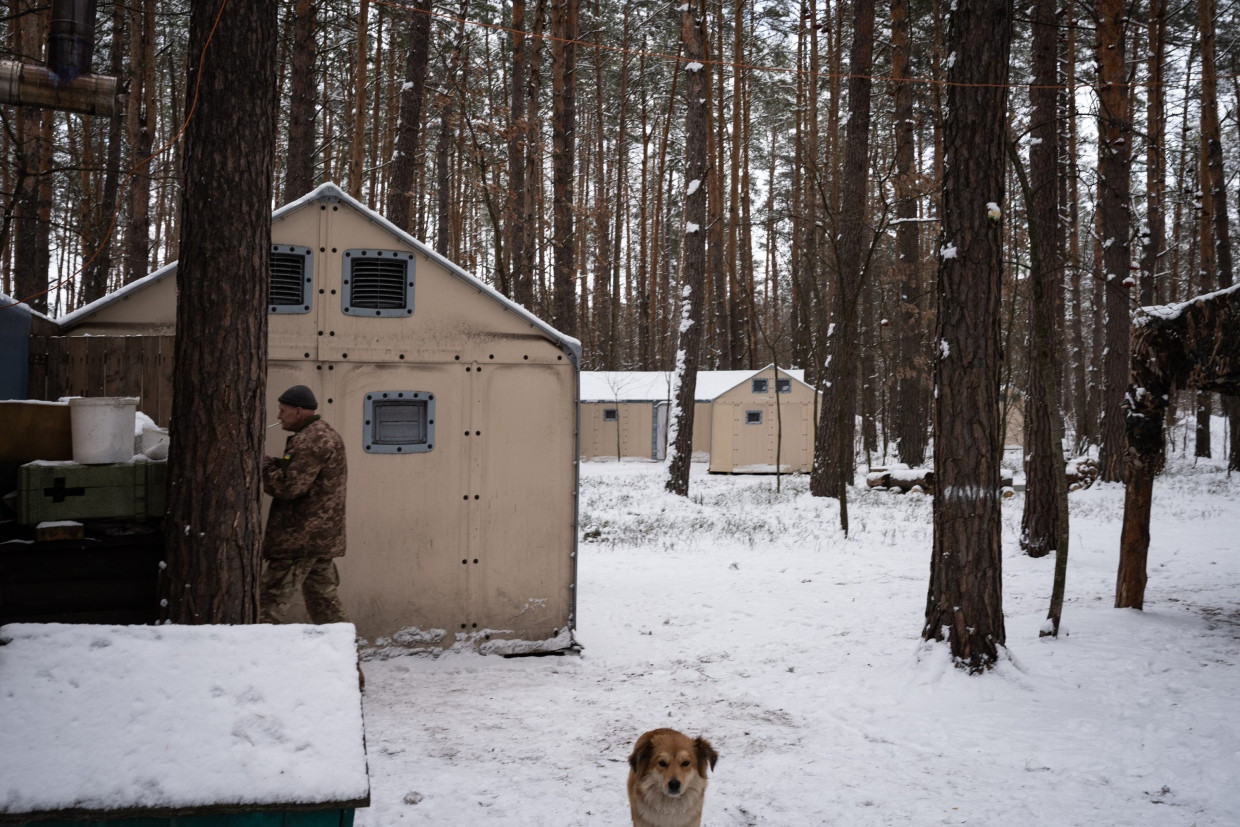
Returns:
(305,527)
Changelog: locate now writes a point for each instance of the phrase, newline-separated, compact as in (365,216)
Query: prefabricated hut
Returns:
(458,409)
(625,414)
(763,424)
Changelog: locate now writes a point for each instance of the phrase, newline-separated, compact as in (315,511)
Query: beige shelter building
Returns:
(624,415)
(458,410)
(763,424)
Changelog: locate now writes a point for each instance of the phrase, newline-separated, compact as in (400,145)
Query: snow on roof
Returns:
(87,310)
(333,192)
(8,302)
(655,385)
(96,717)
(625,385)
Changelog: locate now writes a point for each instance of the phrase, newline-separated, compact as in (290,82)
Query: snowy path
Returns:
(746,617)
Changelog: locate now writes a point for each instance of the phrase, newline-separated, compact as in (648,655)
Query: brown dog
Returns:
(667,779)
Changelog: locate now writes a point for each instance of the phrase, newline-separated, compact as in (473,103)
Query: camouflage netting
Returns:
(1195,344)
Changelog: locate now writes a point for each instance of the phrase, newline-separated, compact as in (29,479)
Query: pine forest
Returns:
(788,158)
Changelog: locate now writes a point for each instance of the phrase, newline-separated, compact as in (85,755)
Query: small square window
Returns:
(761,385)
(611,415)
(378,283)
(398,422)
(290,277)
(783,385)
(753,417)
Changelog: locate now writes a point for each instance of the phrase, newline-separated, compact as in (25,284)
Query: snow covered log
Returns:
(1081,472)
(902,479)
(918,480)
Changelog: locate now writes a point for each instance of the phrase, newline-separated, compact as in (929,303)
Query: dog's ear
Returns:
(705,754)
(643,750)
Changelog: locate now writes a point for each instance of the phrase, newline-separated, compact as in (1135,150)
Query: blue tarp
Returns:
(14,343)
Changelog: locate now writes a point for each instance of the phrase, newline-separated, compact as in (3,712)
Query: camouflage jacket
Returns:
(307,487)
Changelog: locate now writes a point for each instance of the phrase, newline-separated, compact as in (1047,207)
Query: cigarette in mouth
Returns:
(273,424)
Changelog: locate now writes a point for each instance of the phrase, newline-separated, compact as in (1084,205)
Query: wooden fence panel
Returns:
(138,366)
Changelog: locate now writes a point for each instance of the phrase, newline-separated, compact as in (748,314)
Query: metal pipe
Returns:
(71,38)
(26,84)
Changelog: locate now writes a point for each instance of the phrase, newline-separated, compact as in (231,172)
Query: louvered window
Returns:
(378,283)
(290,277)
(398,422)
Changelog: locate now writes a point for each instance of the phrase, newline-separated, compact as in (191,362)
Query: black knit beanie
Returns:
(299,396)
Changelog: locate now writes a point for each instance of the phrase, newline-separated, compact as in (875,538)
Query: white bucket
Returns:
(103,428)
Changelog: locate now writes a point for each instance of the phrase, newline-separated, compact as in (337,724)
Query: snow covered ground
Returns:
(743,615)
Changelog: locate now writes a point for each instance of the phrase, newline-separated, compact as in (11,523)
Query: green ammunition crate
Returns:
(67,491)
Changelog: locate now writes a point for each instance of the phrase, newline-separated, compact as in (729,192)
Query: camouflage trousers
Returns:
(315,576)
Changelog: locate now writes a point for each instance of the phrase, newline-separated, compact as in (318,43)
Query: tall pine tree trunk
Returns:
(833,450)
(29,262)
(965,600)
(212,527)
(140,116)
(1114,161)
(911,371)
(563,125)
(100,241)
(1214,188)
(299,168)
(412,98)
(692,298)
(1155,230)
(1040,520)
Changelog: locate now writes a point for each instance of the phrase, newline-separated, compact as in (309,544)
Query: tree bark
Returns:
(100,241)
(1114,162)
(412,99)
(522,278)
(1040,520)
(564,15)
(911,368)
(693,300)
(212,527)
(965,600)
(1154,236)
(833,451)
(299,168)
(357,121)
(29,262)
(140,116)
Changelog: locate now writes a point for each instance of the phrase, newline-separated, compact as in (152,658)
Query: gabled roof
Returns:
(87,310)
(795,374)
(333,193)
(655,385)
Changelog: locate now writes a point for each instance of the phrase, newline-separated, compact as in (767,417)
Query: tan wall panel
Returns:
(522,507)
(634,428)
(738,447)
